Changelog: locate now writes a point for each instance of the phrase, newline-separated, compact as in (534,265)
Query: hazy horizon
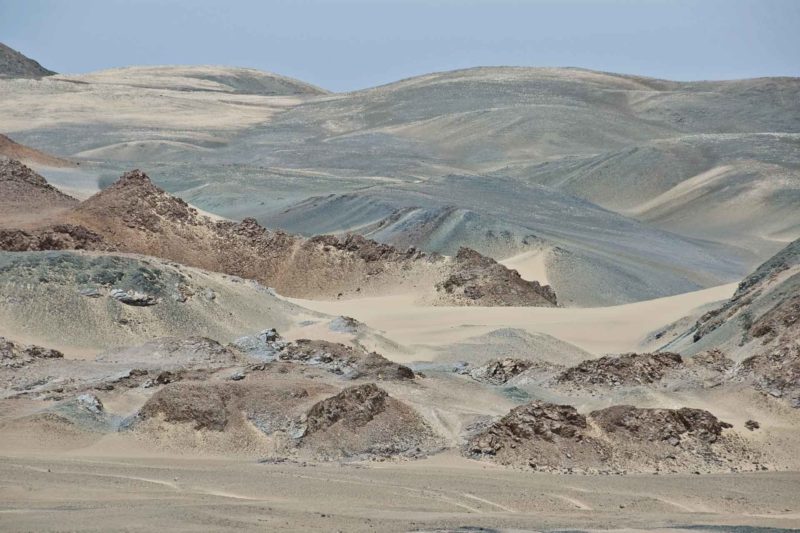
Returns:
(344,45)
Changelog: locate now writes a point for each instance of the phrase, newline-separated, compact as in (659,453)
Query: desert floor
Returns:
(103,493)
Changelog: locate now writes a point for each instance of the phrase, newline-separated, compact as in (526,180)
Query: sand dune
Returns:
(601,330)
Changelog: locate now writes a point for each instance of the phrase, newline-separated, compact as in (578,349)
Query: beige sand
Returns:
(447,492)
(597,330)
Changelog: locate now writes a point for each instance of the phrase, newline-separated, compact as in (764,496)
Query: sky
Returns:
(344,45)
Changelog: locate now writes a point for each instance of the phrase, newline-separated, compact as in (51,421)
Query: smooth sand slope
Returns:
(620,328)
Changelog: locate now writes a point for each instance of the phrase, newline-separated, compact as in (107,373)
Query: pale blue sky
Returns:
(352,44)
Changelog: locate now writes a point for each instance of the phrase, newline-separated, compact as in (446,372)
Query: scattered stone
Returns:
(628,369)
(91,403)
(752,425)
(133,298)
(91,293)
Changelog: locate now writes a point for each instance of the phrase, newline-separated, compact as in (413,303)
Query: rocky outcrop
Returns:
(669,426)
(541,436)
(15,355)
(12,170)
(15,65)
(289,417)
(618,439)
(136,203)
(345,360)
(622,370)
(479,280)
(367,249)
(24,191)
(57,237)
(364,422)
(204,407)
(765,302)
(353,407)
(776,372)
(134,298)
(500,371)
(712,360)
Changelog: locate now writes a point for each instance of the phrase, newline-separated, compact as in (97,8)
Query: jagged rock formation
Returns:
(354,407)
(628,369)
(15,65)
(480,280)
(621,438)
(133,215)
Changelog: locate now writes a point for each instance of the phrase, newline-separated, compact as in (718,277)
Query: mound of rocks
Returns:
(365,422)
(618,439)
(347,361)
(57,237)
(623,370)
(367,249)
(354,407)
(14,355)
(712,360)
(25,193)
(660,426)
(204,406)
(542,436)
(344,360)
(500,371)
(776,372)
(480,280)
(12,170)
(138,204)
(288,416)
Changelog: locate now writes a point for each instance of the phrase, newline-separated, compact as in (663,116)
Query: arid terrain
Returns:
(494,299)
